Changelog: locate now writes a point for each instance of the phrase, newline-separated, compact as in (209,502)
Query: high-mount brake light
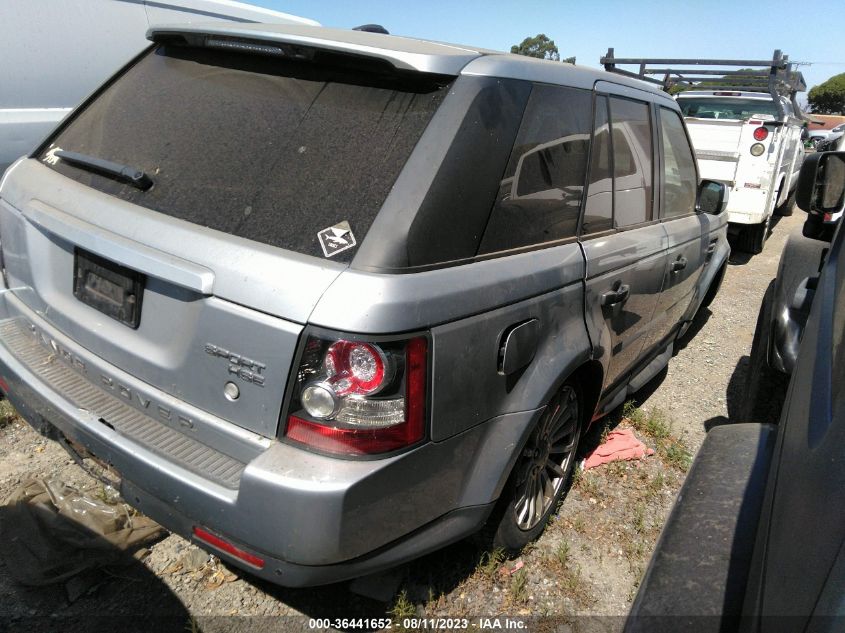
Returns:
(359,398)
(243,46)
(761,133)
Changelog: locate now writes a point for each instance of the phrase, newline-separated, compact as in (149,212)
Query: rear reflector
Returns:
(223,546)
(4,385)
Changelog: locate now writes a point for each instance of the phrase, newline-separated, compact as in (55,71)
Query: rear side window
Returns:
(598,209)
(679,178)
(540,193)
(270,150)
(632,161)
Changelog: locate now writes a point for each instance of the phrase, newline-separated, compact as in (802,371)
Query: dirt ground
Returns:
(587,563)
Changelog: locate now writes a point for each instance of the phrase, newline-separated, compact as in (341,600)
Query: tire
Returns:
(753,237)
(765,387)
(785,210)
(541,474)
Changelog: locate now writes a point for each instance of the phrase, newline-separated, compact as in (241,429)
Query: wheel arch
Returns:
(588,378)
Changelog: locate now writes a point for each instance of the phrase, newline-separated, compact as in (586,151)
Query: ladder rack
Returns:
(775,76)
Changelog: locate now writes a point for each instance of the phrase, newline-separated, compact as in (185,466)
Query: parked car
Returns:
(818,136)
(833,143)
(55,53)
(328,300)
(755,540)
(784,311)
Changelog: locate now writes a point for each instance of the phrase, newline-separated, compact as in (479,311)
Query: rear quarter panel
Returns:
(468,309)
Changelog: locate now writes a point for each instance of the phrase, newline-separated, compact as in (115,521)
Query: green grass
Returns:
(654,425)
(655,486)
(676,454)
(518,589)
(402,607)
(639,518)
(588,484)
(561,552)
(490,562)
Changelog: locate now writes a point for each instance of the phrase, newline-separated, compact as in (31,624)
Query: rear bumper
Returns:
(312,518)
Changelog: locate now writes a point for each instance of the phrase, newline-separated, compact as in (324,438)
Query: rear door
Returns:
(687,232)
(624,242)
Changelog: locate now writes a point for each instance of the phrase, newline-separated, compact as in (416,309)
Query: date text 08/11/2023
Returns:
(483,623)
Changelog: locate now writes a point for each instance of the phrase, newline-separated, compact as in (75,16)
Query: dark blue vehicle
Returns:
(756,540)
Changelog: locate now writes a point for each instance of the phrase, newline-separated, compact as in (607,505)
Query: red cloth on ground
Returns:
(620,445)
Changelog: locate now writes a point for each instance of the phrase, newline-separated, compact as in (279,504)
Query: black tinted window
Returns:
(632,157)
(598,209)
(679,178)
(266,149)
(540,194)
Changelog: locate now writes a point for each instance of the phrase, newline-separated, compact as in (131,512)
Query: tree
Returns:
(538,46)
(725,81)
(828,97)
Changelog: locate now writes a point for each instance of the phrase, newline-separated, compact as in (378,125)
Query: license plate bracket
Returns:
(114,290)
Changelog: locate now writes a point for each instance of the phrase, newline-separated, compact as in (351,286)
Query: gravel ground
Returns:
(588,562)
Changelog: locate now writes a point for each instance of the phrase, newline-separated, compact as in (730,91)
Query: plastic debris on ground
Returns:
(620,445)
(52,532)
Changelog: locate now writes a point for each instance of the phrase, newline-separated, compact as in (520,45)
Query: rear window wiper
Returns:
(116,171)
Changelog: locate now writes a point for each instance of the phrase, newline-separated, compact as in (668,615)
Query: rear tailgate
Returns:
(716,144)
(251,157)
(195,333)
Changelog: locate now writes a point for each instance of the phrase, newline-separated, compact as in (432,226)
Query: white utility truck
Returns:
(745,126)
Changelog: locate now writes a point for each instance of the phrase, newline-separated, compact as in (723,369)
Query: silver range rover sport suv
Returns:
(329,300)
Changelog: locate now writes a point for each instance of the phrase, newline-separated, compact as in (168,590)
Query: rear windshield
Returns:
(271,150)
(735,108)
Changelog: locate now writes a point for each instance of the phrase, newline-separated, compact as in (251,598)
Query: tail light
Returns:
(354,397)
(761,134)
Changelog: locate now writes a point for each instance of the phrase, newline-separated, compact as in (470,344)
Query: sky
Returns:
(808,31)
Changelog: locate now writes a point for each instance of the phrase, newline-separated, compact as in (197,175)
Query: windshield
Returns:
(730,108)
(271,150)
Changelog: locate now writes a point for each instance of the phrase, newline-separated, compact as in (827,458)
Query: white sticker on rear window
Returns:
(336,239)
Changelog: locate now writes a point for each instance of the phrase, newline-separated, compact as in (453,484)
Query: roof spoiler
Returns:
(304,42)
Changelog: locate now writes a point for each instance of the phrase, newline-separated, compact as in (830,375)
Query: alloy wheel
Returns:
(546,459)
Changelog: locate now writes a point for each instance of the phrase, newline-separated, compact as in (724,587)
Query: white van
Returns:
(56,52)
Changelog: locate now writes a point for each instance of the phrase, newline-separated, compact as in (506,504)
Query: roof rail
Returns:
(775,76)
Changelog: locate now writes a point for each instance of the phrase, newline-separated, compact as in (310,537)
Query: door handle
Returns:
(679,264)
(712,248)
(612,297)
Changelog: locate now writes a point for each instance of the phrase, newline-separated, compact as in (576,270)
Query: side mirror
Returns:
(821,193)
(805,133)
(712,197)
